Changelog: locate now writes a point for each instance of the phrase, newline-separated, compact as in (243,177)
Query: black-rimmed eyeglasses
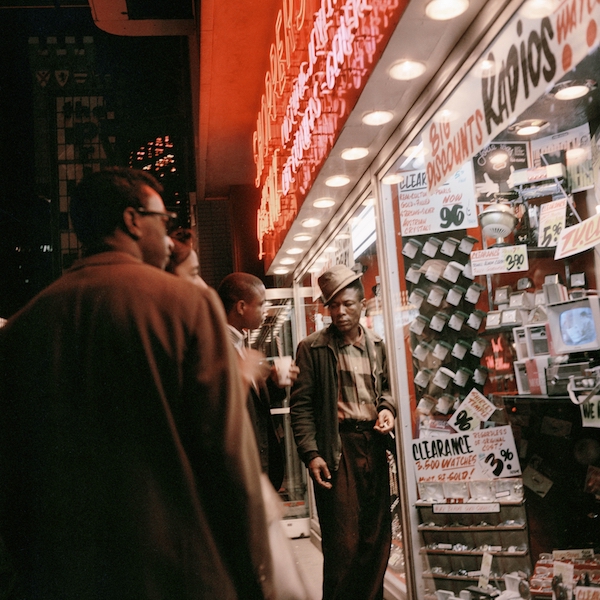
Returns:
(167,217)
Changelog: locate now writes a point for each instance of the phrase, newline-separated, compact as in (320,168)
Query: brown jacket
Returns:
(128,463)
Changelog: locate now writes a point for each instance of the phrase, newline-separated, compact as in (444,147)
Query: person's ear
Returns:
(131,222)
(240,307)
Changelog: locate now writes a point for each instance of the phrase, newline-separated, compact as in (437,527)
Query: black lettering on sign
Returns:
(524,64)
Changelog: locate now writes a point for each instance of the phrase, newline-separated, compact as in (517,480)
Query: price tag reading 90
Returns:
(515,258)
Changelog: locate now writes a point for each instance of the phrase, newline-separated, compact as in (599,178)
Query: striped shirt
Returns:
(357,396)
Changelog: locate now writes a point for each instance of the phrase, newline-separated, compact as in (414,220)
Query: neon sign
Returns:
(318,67)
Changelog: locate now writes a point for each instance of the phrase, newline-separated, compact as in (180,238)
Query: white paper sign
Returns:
(481,454)
(474,409)
(587,593)
(503,259)
(552,222)
(487,101)
(580,237)
(452,206)
(590,412)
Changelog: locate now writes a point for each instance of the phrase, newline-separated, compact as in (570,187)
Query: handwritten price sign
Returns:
(504,259)
(552,222)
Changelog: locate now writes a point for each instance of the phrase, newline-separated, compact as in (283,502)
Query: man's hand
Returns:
(319,471)
(385,421)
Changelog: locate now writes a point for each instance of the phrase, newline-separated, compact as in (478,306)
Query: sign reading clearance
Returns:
(323,53)
(527,57)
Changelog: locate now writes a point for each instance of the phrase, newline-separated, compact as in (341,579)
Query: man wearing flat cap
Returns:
(342,413)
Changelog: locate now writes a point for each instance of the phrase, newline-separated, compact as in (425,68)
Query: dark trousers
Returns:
(355,520)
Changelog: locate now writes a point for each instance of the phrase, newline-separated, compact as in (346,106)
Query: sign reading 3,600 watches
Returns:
(451,207)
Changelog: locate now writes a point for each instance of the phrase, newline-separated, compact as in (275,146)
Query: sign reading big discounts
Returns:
(516,69)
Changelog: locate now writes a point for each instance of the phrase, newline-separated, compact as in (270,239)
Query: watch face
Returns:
(501,295)
(493,319)
(524,283)
(509,317)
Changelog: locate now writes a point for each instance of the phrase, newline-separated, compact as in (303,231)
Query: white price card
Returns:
(501,259)
(552,222)
(474,409)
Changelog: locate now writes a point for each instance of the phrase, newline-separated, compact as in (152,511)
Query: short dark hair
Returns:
(98,202)
(238,286)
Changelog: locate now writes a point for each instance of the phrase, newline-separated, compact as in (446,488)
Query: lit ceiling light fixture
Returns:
(287,261)
(443,10)
(324,203)
(572,89)
(538,9)
(315,269)
(337,181)
(308,223)
(393,179)
(330,249)
(405,70)
(445,116)
(529,127)
(416,151)
(343,236)
(302,237)
(378,117)
(370,201)
(281,271)
(354,153)
(577,155)
(294,251)
(487,68)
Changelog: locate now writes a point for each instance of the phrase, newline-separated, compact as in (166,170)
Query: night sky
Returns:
(150,90)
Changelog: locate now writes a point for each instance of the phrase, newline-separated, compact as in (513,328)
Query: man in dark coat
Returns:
(244,298)
(128,463)
(341,414)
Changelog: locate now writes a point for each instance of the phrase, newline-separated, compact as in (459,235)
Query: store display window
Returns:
(493,231)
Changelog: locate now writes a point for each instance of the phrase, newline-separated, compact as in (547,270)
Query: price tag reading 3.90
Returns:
(515,258)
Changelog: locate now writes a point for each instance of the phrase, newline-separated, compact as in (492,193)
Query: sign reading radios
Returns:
(517,68)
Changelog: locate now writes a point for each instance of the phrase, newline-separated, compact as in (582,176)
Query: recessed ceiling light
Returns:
(287,261)
(443,10)
(342,236)
(354,153)
(315,269)
(487,68)
(405,70)
(370,201)
(415,151)
(445,116)
(538,9)
(302,237)
(570,90)
(324,203)
(393,179)
(294,251)
(337,181)
(330,249)
(311,223)
(378,117)
(528,127)
(281,271)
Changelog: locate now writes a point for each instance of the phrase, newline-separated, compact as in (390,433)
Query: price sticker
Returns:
(502,259)
(552,222)
(515,258)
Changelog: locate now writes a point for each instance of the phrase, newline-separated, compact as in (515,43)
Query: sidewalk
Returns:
(310,561)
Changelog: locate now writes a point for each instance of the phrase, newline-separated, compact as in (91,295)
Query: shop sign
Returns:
(580,237)
(500,259)
(320,61)
(481,454)
(449,208)
(525,59)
